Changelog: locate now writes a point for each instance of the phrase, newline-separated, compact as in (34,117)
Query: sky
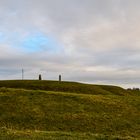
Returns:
(90,41)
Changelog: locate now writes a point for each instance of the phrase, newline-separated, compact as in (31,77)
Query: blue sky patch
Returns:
(39,42)
(2,37)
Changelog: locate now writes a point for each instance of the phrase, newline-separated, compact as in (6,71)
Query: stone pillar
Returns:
(59,78)
(40,78)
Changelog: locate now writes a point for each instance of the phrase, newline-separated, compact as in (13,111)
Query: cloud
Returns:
(84,40)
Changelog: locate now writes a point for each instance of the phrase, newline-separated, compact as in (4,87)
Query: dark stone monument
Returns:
(40,78)
(59,78)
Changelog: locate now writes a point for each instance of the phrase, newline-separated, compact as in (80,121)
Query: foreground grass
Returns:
(80,115)
(57,135)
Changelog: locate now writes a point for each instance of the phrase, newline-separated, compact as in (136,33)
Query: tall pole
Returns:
(22,74)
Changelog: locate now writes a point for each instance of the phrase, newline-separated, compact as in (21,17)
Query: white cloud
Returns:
(99,39)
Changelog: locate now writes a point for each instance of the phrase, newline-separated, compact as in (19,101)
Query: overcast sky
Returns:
(92,41)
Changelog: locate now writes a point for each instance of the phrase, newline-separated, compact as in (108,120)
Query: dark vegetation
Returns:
(53,110)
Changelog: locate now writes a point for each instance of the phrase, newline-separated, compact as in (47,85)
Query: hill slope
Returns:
(64,87)
(58,112)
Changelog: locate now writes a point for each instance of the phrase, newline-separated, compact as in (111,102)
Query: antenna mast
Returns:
(22,74)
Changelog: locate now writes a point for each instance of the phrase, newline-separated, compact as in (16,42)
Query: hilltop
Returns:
(73,87)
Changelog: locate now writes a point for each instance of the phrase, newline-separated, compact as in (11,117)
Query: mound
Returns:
(64,87)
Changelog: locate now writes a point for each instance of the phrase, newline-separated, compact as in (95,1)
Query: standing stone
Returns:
(40,78)
(59,78)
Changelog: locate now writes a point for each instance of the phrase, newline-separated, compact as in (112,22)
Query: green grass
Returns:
(72,87)
(55,135)
(38,114)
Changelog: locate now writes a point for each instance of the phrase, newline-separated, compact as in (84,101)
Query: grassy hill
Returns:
(67,110)
(72,87)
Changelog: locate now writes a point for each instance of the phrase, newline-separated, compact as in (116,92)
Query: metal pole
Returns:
(22,74)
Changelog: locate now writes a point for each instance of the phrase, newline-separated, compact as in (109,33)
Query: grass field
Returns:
(72,87)
(67,110)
